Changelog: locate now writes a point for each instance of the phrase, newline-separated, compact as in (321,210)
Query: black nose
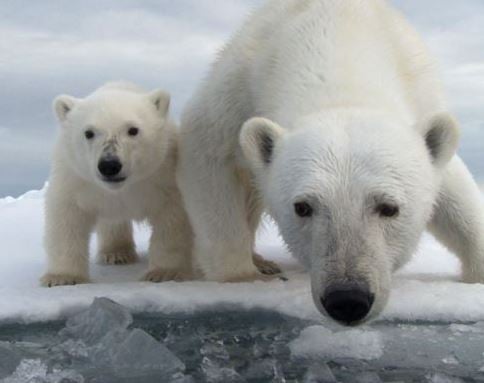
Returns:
(347,304)
(109,167)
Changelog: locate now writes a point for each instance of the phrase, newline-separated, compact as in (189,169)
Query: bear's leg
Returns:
(66,243)
(458,220)
(171,243)
(115,243)
(216,203)
(265,266)
(255,210)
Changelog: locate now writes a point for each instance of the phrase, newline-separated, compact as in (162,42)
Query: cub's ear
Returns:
(161,100)
(258,139)
(63,105)
(441,133)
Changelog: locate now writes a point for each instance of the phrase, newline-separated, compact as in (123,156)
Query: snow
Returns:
(428,289)
(320,342)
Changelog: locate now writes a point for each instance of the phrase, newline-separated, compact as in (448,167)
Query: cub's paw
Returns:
(118,258)
(264,266)
(159,275)
(53,280)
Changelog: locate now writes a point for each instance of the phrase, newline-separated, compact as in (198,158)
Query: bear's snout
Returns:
(110,166)
(347,303)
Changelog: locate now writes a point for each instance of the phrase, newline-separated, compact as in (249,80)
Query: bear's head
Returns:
(352,193)
(116,136)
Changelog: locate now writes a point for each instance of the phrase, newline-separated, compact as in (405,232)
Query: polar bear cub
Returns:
(114,163)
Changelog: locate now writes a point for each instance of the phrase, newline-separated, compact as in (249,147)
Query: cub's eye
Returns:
(388,211)
(303,209)
(89,134)
(133,131)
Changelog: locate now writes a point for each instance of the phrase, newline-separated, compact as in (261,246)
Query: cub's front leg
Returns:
(171,243)
(116,243)
(66,242)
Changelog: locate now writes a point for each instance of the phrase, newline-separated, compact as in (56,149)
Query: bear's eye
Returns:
(388,211)
(89,134)
(133,131)
(303,209)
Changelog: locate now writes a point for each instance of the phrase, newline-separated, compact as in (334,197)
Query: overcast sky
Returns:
(54,46)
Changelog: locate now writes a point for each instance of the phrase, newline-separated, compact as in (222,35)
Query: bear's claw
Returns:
(53,280)
(118,258)
(159,275)
(265,267)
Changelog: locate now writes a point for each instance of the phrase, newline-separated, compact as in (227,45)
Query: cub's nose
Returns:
(347,303)
(109,167)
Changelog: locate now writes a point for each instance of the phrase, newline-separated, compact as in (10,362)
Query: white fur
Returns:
(79,201)
(355,116)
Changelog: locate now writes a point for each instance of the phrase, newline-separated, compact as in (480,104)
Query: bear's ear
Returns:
(63,105)
(161,100)
(441,133)
(258,139)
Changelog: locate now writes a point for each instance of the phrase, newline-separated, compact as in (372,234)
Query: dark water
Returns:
(238,346)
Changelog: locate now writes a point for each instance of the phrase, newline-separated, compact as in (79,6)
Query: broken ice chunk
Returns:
(35,371)
(9,360)
(67,376)
(450,360)
(217,374)
(102,316)
(261,370)
(278,374)
(180,378)
(266,370)
(141,352)
(74,348)
(319,373)
(215,351)
(368,377)
(317,342)
(103,352)
(442,378)
(28,370)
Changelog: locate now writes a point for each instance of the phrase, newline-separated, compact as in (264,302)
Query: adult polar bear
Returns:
(354,156)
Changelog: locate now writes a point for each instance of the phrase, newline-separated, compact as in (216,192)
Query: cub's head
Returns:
(351,194)
(116,136)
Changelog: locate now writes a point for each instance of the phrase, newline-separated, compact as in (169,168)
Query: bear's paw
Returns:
(159,275)
(264,266)
(53,280)
(118,258)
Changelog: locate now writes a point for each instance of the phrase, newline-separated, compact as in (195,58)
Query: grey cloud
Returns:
(54,46)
